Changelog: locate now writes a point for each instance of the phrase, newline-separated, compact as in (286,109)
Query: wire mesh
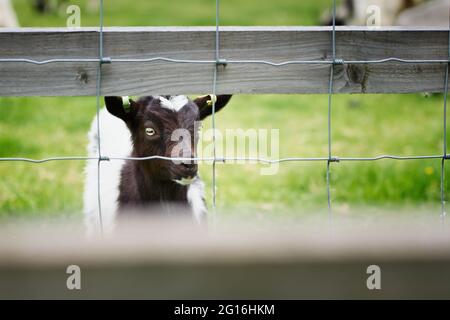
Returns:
(218,62)
(98,89)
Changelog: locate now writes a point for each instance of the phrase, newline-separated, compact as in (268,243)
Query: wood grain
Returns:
(275,44)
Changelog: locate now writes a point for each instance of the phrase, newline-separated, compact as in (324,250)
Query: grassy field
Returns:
(181,13)
(366,125)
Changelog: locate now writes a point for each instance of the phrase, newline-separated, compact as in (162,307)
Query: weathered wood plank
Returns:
(274,44)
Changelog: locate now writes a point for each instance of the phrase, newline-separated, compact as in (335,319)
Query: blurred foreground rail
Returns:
(168,260)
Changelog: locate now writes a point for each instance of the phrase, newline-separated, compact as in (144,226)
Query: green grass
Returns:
(182,13)
(363,125)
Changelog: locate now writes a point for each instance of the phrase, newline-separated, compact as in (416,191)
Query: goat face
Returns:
(165,126)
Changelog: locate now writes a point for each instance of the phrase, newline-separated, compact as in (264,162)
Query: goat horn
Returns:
(213,100)
(126,103)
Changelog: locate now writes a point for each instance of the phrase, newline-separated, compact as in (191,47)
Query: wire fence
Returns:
(218,62)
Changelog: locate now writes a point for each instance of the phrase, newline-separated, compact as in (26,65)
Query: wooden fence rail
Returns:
(162,260)
(274,44)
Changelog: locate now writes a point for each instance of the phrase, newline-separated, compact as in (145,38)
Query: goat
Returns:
(355,12)
(143,128)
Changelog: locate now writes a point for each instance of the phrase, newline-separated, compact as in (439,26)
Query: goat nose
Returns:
(189,160)
(191,166)
(188,165)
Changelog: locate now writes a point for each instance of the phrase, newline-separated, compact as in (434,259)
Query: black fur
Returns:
(149,184)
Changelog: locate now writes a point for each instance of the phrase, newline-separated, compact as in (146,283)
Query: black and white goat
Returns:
(145,128)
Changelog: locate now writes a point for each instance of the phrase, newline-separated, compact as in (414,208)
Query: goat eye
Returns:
(150,131)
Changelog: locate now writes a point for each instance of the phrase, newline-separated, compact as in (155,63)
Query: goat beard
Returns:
(184,181)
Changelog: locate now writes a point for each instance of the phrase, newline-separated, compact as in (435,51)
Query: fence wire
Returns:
(218,62)
(98,89)
(223,61)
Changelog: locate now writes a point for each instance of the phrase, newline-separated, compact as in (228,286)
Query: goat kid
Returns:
(147,127)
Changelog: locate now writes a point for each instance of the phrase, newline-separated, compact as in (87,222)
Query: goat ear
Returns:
(205,104)
(120,108)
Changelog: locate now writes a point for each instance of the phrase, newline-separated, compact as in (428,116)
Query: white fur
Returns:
(184,181)
(175,103)
(195,196)
(116,142)
(8,16)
